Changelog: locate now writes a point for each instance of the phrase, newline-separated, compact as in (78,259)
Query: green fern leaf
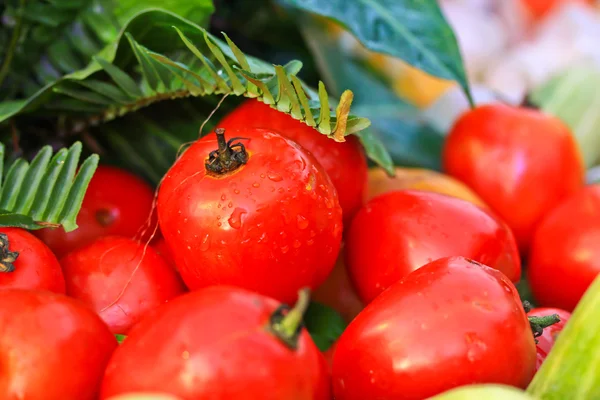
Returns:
(47,192)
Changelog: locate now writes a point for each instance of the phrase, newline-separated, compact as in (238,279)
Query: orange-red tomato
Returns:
(344,162)
(35,267)
(116,203)
(420,179)
(145,396)
(520,161)
(538,9)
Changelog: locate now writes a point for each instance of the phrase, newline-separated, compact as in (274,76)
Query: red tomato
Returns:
(271,224)
(51,347)
(547,339)
(237,357)
(452,322)
(565,257)
(144,396)
(344,162)
(35,266)
(116,203)
(121,279)
(538,9)
(338,293)
(398,232)
(520,161)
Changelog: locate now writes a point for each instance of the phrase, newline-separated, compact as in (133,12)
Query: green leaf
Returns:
(324,324)
(120,338)
(414,31)
(574,97)
(47,191)
(396,135)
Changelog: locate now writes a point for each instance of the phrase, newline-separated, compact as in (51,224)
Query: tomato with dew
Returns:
(258,212)
(452,322)
(344,162)
(398,232)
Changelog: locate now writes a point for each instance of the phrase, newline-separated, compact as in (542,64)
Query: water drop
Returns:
(262,176)
(313,233)
(302,222)
(297,244)
(262,238)
(223,197)
(310,242)
(281,190)
(274,176)
(285,249)
(230,204)
(205,244)
(219,224)
(235,220)
(236,191)
(256,185)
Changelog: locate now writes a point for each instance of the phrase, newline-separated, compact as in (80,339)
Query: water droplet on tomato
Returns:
(297,244)
(262,238)
(223,197)
(230,204)
(313,233)
(310,242)
(235,220)
(236,191)
(281,190)
(256,185)
(205,243)
(219,224)
(274,176)
(262,176)
(302,222)
(285,249)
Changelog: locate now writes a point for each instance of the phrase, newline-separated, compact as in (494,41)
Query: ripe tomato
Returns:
(116,203)
(338,293)
(548,337)
(121,279)
(420,179)
(398,232)
(452,322)
(538,9)
(27,263)
(272,223)
(565,257)
(51,347)
(237,358)
(520,161)
(344,162)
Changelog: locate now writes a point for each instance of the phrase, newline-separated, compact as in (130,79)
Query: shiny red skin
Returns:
(36,267)
(548,338)
(344,162)
(273,226)
(452,322)
(161,247)
(121,279)
(520,161)
(235,358)
(116,203)
(565,257)
(398,232)
(52,347)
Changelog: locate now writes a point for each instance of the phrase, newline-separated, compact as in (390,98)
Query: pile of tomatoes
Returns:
(200,291)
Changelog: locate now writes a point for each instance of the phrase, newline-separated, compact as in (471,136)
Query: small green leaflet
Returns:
(324,324)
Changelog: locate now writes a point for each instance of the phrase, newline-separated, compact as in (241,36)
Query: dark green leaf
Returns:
(414,31)
(120,338)
(324,324)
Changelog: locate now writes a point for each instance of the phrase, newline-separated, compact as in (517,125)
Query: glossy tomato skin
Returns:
(344,162)
(398,232)
(521,162)
(52,347)
(450,323)
(116,203)
(121,279)
(548,338)
(273,226)
(36,267)
(565,257)
(161,247)
(237,358)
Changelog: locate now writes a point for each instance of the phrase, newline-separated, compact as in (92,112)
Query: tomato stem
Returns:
(7,257)
(228,157)
(538,324)
(288,326)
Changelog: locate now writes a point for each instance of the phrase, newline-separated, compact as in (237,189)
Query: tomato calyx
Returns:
(538,324)
(228,157)
(7,257)
(286,323)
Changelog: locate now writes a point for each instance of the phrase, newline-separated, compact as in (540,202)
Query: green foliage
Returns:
(46,192)
(414,31)
(396,123)
(324,324)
